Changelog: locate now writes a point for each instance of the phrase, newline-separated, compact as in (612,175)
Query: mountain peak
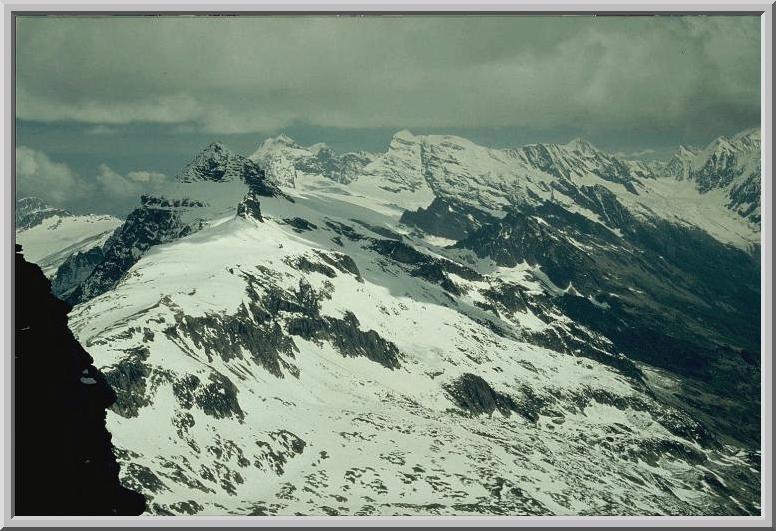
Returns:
(683,151)
(404,134)
(581,145)
(31,211)
(215,148)
(282,140)
(274,145)
(403,140)
(31,202)
(215,162)
(752,134)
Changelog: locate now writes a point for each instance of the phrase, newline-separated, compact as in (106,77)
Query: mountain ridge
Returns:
(535,167)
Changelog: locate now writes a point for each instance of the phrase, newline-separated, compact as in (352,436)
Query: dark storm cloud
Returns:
(239,75)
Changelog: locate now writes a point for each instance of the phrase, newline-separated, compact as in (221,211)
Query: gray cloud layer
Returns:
(224,75)
(58,183)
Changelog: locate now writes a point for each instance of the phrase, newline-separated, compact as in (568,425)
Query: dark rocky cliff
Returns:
(64,461)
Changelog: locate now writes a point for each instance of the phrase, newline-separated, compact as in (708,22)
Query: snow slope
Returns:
(55,238)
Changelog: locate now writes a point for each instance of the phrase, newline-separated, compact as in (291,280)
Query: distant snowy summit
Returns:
(283,160)
(31,211)
(731,165)
(50,235)
(716,189)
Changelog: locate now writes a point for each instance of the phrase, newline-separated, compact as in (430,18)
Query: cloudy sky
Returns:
(109,107)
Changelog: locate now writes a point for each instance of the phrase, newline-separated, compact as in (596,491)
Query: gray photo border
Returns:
(504,7)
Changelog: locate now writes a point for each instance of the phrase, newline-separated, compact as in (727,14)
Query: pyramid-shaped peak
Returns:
(685,152)
(214,149)
(215,162)
(282,140)
(685,149)
(581,145)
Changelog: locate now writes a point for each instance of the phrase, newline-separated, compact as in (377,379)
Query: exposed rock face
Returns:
(579,157)
(729,164)
(51,236)
(151,224)
(64,457)
(217,164)
(74,271)
(476,396)
(343,168)
(446,218)
(31,211)
(744,197)
(724,161)
(250,207)
(606,283)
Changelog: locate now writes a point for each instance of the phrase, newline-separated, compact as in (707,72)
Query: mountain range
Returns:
(443,328)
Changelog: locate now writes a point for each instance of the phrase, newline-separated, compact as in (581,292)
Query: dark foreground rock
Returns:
(64,458)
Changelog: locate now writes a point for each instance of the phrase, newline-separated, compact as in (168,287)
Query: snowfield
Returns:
(49,243)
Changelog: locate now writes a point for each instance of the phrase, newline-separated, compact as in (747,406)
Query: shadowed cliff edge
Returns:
(63,453)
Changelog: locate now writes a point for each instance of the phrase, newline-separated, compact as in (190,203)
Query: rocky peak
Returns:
(750,138)
(580,145)
(281,146)
(680,164)
(215,162)
(685,152)
(280,141)
(726,160)
(403,138)
(31,211)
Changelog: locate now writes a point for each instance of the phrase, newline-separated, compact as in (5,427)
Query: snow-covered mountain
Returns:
(284,161)
(447,329)
(417,169)
(208,189)
(31,211)
(729,167)
(51,235)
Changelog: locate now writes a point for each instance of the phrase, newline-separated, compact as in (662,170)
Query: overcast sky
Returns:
(108,107)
